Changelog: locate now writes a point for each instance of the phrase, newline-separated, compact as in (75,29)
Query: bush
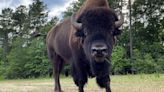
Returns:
(118,63)
(140,63)
(28,61)
(144,63)
(160,64)
(2,69)
(1,51)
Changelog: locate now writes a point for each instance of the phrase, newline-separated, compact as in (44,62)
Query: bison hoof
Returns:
(58,91)
(92,76)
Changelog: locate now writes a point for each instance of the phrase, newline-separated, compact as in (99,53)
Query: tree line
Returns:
(23,32)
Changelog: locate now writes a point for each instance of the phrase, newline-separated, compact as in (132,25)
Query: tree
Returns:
(37,15)
(20,20)
(73,8)
(27,57)
(6,27)
(148,23)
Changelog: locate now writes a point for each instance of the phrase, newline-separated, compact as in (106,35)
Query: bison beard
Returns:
(101,71)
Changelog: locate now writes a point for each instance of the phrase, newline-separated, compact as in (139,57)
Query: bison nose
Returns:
(99,50)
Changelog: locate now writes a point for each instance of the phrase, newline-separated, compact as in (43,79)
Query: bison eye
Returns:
(85,33)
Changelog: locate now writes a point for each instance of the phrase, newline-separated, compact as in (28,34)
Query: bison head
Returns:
(97,28)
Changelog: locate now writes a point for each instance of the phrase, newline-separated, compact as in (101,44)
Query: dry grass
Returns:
(129,83)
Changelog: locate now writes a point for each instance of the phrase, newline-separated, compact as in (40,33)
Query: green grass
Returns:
(122,83)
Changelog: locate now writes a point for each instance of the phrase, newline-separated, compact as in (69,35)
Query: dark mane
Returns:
(98,18)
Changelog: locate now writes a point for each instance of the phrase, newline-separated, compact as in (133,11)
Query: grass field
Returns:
(128,83)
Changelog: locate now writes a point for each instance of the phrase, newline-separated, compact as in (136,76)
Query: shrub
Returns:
(117,63)
(144,63)
(1,51)
(28,61)
(160,64)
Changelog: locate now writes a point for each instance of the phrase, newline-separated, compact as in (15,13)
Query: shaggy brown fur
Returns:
(63,46)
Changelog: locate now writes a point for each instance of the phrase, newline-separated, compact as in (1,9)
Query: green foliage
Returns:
(148,36)
(118,53)
(37,14)
(28,61)
(73,8)
(17,58)
(20,20)
(2,69)
(160,64)
(27,56)
(148,26)
(145,64)
(117,56)
(38,64)
(6,27)
(1,51)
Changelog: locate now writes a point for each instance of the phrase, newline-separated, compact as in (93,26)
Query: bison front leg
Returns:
(104,82)
(107,86)
(102,71)
(79,76)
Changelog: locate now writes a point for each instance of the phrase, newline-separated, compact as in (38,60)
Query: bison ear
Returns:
(79,33)
(117,31)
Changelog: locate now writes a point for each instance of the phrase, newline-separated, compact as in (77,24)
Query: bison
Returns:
(84,40)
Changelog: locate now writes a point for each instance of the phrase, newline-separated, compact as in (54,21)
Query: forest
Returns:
(23,32)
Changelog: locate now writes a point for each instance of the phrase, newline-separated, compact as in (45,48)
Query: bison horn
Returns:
(119,22)
(75,23)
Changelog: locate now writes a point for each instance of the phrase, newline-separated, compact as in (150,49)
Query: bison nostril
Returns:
(104,50)
(99,49)
(94,50)
(99,52)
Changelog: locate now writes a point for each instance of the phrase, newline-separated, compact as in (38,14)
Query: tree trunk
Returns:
(5,46)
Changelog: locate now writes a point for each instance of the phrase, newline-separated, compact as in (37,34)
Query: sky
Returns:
(55,7)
